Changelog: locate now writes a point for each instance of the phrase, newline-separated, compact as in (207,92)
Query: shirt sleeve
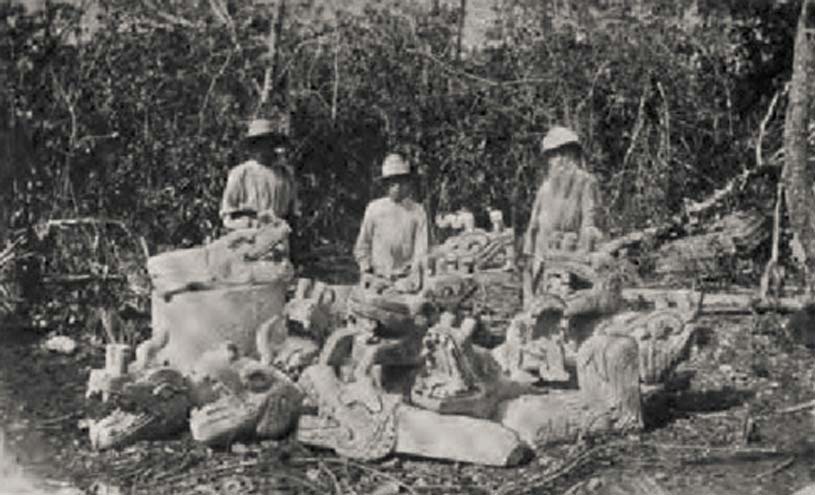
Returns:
(233,194)
(589,205)
(421,242)
(362,247)
(532,228)
(295,206)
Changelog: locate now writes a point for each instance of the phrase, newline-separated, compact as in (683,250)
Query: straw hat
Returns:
(277,126)
(557,137)
(395,166)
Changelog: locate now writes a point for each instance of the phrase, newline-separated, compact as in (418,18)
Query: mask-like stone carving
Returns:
(261,403)
(154,404)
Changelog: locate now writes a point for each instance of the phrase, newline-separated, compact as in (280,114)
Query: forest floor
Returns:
(721,433)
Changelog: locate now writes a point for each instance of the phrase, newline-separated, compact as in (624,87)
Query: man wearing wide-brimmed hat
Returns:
(393,238)
(262,187)
(565,215)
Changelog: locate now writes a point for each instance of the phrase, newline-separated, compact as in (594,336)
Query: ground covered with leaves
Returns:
(722,432)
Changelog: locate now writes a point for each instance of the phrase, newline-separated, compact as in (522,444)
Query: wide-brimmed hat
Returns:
(276,127)
(558,137)
(395,166)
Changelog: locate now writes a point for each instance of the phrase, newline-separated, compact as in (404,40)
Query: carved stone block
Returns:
(151,405)
(265,404)
(608,399)
(198,321)
(457,438)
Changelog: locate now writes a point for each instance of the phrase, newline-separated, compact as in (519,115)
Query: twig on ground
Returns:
(362,467)
(54,422)
(547,478)
(777,468)
(810,404)
(332,477)
(737,449)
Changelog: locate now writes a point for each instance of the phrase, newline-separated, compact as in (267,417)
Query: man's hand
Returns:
(267,217)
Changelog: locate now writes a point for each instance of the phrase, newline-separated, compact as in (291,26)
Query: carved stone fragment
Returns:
(264,404)
(458,438)
(608,399)
(354,419)
(153,404)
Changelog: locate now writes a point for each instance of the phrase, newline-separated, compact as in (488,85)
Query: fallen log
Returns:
(723,303)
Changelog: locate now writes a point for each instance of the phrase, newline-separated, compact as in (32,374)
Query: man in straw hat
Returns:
(393,238)
(262,187)
(565,213)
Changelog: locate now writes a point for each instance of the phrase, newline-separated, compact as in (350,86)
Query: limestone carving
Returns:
(608,399)
(309,312)
(473,250)
(663,334)
(354,419)
(534,345)
(153,404)
(261,403)
(244,256)
(458,377)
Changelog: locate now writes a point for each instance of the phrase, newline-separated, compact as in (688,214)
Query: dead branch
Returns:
(777,468)
(804,406)
(336,86)
(762,128)
(638,125)
(211,88)
(166,16)
(273,70)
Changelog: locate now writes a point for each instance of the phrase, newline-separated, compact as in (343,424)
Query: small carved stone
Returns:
(474,250)
(152,404)
(457,377)
(354,419)
(266,404)
(663,338)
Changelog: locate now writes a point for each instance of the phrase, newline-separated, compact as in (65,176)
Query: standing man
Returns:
(565,215)
(263,187)
(393,239)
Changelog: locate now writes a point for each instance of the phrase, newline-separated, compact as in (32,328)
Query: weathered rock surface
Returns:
(608,399)
(459,438)
(267,406)
(153,404)
(457,377)
(199,321)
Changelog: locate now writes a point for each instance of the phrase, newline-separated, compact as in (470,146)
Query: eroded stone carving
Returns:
(608,399)
(354,419)
(153,404)
(663,334)
(261,403)
(473,250)
(458,377)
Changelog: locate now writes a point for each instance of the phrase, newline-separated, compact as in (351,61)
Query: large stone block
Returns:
(199,321)
(458,438)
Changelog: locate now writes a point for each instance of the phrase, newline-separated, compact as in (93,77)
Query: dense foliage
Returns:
(141,119)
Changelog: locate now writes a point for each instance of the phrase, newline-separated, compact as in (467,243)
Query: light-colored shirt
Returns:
(571,206)
(393,236)
(257,188)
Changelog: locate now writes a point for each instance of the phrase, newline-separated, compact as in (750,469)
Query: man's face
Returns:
(398,188)
(275,151)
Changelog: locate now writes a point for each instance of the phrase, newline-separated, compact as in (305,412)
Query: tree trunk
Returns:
(797,175)
(273,92)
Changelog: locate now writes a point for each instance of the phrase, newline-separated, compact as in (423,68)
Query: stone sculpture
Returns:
(259,402)
(153,404)
(608,399)
(458,377)
(215,293)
